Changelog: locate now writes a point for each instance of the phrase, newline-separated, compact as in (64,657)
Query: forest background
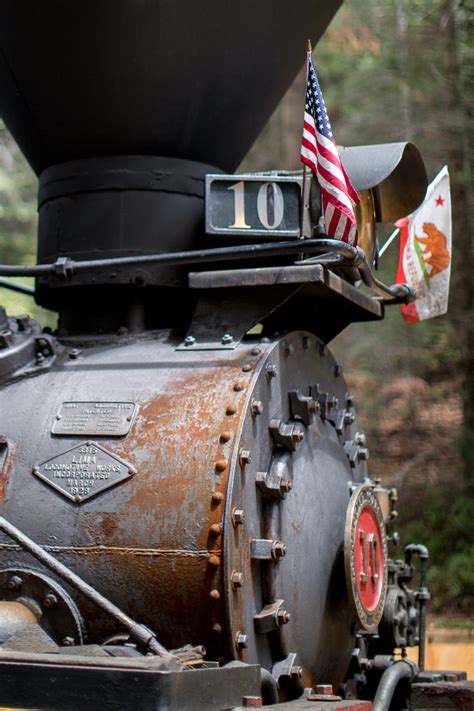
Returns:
(390,70)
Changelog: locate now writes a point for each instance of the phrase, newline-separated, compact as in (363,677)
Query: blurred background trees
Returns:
(390,70)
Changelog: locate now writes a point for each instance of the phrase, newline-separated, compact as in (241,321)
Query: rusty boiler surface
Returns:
(153,543)
(173,544)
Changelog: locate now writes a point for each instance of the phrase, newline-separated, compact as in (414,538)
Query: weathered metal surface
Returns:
(54,608)
(171,545)
(281,296)
(307,522)
(443,695)
(57,681)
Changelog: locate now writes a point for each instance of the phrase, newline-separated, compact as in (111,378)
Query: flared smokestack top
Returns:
(192,79)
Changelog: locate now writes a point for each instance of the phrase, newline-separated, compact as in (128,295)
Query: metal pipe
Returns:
(422,594)
(398,293)
(138,633)
(389,681)
(269,687)
(20,288)
(67,267)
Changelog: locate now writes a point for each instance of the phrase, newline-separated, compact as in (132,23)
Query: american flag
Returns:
(319,152)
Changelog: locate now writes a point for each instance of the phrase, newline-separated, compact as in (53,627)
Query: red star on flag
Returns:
(439,200)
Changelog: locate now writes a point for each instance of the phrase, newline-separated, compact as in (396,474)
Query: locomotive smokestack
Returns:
(191,80)
(121,107)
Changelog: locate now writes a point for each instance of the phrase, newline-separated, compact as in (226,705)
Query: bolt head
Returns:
(68,642)
(15,583)
(227,338)
(189,341)
(256,407)
(350,400)
(271,371)
(50,601)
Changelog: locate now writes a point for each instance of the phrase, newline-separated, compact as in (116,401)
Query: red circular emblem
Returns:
(366,558)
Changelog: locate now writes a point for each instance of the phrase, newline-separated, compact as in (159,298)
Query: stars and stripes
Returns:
(319,152)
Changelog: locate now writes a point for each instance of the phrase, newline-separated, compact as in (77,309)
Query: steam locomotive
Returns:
(187,519)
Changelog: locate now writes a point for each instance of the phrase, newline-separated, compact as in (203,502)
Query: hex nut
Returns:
(278,550)
(324,689)
(236,579)
(286,485)
(271,371)
(245,457)
(283,617)
(296,672)
(241,640)
(238,516)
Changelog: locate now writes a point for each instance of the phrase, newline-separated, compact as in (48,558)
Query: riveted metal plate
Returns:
(83,471)
(111,419)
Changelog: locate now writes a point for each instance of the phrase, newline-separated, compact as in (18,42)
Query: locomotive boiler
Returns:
(187,518)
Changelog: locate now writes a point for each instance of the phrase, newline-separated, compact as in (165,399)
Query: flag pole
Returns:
(304,201)
(388,241)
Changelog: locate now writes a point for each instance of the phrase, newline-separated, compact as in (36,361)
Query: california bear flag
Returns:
(425,252)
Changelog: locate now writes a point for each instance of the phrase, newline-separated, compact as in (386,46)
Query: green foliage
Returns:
(18,187)
(444,523)
(18,222)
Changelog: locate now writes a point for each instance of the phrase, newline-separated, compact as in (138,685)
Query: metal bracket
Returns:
(303,406)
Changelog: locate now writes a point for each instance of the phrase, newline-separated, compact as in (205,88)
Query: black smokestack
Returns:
(122,106)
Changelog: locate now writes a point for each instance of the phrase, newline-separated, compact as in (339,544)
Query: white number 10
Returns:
(270,206)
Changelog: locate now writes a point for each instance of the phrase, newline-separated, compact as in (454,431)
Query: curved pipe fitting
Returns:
(269,688)
(392,676)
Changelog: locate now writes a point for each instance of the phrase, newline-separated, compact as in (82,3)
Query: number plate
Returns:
(253,205)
